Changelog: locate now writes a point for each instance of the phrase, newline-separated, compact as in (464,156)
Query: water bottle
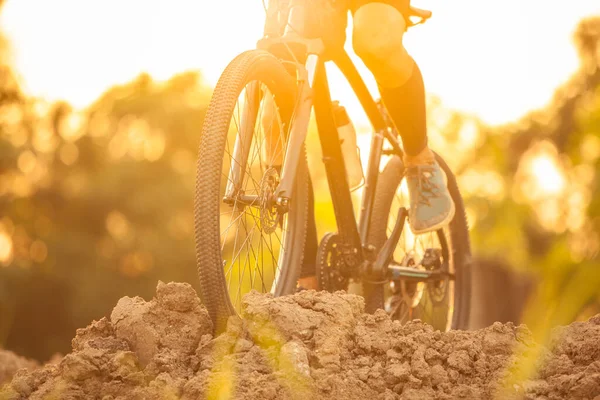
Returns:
(347,135)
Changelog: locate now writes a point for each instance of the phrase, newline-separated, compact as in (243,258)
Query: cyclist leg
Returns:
(378,31)
(377,39)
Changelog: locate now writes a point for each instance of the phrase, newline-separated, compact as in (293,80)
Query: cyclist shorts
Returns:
(401,5)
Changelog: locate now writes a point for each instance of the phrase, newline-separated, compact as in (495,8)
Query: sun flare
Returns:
(74,50)
(547,175)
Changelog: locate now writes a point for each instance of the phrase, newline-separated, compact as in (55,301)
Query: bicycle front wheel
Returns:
(244,239)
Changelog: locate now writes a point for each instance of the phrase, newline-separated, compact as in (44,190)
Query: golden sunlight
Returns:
(6,248)
(560,200)
(118,226)
(548,177)
(38,251)
(540,175)
(479,57)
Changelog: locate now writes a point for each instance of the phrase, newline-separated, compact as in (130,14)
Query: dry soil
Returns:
(309,345)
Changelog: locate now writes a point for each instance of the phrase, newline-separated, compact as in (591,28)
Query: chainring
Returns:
(330,264)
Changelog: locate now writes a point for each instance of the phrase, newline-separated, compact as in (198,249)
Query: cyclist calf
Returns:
(379,27)
(378,30)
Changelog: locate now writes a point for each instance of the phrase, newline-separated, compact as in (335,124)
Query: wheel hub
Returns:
(432,260)
(269,213)
(411,292)
(407,295)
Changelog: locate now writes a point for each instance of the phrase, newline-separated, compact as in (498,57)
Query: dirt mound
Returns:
(310,345)
(10,363)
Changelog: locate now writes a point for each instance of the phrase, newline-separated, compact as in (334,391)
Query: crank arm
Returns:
(400,272)
(387,251)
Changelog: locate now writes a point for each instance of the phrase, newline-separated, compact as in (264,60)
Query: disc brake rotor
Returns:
(269,215)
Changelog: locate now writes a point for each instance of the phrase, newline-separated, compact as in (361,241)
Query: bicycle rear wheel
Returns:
(444,304)
(244,239)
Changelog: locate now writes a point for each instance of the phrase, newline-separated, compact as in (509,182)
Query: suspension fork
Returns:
(298,129)
(243,142)
(298,132)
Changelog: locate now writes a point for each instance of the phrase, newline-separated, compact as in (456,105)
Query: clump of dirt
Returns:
(309,345)
(10,363)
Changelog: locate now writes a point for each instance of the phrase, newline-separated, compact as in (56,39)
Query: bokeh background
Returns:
(101,105)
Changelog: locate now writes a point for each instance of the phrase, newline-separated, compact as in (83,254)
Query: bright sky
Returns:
(497,59)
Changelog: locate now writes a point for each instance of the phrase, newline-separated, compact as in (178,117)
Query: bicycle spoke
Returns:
(248,248)
(246,262)
(427,306)
(273,261)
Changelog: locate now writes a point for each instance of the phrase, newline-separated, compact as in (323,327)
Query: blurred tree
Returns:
(547,223)
(95,204)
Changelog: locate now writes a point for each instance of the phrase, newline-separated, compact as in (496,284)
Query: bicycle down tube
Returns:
(336,170)
(380,132)
(314,92)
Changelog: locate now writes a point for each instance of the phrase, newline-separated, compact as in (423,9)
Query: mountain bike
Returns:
(252,189)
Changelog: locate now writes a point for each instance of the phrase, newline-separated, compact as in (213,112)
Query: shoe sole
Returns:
(439,225)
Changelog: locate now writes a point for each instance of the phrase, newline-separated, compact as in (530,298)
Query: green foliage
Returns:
(98,204)
(555,235)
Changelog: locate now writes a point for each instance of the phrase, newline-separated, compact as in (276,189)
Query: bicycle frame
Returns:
(345,256)
(314,92)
